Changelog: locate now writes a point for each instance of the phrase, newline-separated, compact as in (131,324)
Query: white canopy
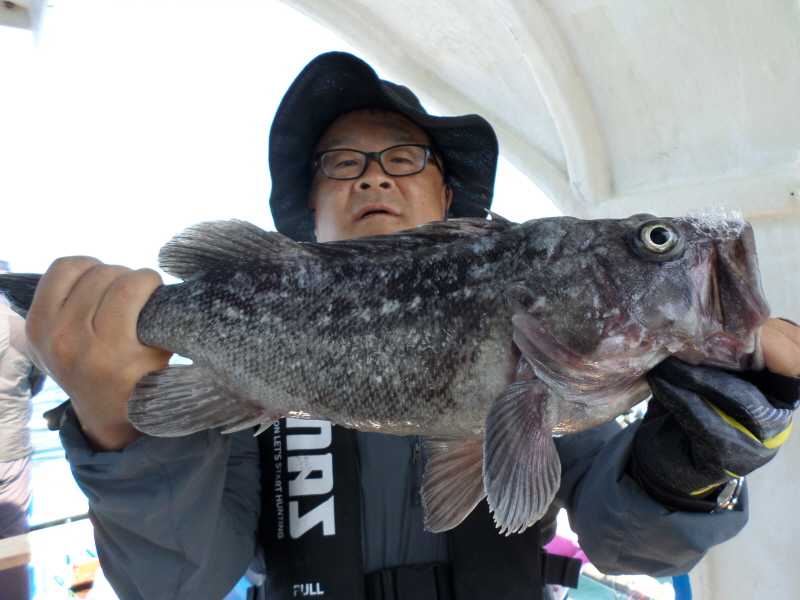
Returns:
(621,107)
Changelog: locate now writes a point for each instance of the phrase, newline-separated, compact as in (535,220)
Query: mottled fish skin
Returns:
(404,342)
(485,336)
(410,333)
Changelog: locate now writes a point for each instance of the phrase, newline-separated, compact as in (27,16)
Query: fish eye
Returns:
(657,240)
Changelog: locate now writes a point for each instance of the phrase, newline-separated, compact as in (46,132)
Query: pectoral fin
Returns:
(181,400)
(453,482)
(521,471)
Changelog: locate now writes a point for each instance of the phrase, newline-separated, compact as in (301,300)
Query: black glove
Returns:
(705,427)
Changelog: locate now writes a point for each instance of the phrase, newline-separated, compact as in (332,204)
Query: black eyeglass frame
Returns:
(429,154)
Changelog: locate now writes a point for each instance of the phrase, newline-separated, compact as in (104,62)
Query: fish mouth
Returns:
(724,351)
(734,308)
(370,210)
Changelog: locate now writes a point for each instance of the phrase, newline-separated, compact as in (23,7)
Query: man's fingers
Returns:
(88,294)
(118,313)
(52,292)
(780,342)
(84,310)
(82,328)
(786,328)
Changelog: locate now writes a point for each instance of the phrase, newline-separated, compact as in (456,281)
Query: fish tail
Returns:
(19,288)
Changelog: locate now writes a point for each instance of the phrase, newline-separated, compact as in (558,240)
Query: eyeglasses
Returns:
(397,161)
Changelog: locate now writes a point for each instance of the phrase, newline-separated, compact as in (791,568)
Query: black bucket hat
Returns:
(336,83)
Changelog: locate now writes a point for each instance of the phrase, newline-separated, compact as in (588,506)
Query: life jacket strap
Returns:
(561,570)
(418,582)
(434,581)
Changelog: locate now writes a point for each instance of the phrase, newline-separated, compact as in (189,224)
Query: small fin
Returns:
(181,400)
(496,217)
(19,288)
(468,225)
(264,426)
(521,470)
(217,244)
(453,482)
(426,236)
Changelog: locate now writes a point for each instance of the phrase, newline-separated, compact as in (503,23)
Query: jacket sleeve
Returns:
(174,518)
(620,527)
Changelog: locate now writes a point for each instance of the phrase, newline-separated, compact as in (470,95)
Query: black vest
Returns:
(310,533)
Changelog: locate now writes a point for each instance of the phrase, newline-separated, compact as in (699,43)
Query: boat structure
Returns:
(609,108)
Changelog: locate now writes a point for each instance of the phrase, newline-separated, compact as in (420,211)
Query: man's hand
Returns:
(82,330)
(705,427)
(780,343)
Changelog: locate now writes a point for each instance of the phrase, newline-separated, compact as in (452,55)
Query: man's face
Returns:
(375,203)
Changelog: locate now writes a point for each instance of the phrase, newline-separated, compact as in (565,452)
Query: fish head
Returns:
(617,296)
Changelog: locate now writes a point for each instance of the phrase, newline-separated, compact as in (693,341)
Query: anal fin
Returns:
(182,399)
(522,470)
(453,482)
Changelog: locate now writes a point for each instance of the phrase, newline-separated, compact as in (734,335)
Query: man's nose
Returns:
(374,176)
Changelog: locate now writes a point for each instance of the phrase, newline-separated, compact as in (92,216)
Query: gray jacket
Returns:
(176,518)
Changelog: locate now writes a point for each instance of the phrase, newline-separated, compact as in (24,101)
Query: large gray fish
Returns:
(485,336)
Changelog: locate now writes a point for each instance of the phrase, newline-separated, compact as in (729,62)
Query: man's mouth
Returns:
(375,209)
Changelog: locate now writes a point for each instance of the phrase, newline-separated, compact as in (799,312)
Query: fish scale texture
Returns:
(412,332)
(448,330)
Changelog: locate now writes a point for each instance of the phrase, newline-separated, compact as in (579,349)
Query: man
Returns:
(176,518)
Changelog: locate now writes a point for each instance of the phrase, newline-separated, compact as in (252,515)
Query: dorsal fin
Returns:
(215,244)
(469,225)
(428,235)
(218,244)
(496,217)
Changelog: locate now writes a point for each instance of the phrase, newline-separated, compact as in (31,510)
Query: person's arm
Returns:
(19,342)
(174,518)
(625,524)
(620,527)
(706,428)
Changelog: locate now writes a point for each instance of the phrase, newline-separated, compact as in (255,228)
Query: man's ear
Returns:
(448,192)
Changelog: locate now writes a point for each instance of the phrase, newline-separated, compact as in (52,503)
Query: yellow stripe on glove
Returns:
(773,442)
